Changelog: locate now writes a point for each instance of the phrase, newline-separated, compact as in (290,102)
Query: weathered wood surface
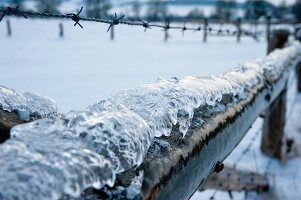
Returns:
(277,40)
(177,171)
(7,121)
(298,72)
(273,127)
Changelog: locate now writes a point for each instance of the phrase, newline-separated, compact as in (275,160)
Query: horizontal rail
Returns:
(179,172)
(173,166)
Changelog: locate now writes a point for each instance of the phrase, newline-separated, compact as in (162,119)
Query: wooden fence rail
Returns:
(179,170)
(176,171)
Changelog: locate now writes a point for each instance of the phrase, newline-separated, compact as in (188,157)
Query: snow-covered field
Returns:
(85,67)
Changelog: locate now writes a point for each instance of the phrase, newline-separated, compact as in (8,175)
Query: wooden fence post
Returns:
(205,30)
(298,37)
(8,26)
(166,36)
(238,29)
(277,40)
(112,33)
(299,77)
(273,126)
(61,30)
(268,29)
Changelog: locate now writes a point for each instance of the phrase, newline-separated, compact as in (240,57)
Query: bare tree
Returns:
(136,7)
(297,10)
(282,10)
(224,9)
(258,8)
(195,14)
(15,3)
(48,6)
(97,8)
(157,10)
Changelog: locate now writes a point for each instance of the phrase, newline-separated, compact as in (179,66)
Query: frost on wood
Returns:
(27,105)
(115,134)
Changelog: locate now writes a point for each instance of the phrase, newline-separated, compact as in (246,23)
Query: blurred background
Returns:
(78,67)
(179,9)
(39,55)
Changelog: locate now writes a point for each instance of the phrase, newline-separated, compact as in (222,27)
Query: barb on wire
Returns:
(199,28)
(184,28)
(145,25)
(11,11)
(76,18)
(219,32)
(247,149)
(115,21)
(167,25)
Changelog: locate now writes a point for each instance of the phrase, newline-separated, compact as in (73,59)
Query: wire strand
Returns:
(76,17)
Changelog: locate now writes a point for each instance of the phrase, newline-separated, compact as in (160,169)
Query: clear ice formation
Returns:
(87,149)
(168,102)
(27,173)
(103,144)
(27,105)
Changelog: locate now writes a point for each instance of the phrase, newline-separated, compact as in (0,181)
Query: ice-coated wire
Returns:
(76,17)
(268,166)
(248,148)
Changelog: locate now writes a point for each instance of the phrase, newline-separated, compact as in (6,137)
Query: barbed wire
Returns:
(119,20)
(248,148)
(212,197)
(242,155)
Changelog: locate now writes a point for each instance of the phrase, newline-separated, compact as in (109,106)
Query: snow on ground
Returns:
(85,66)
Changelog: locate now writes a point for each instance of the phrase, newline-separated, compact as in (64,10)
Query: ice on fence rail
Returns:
(121,136)
(168,102)
(30,174)
(120,129)
(27,105)
(100,145)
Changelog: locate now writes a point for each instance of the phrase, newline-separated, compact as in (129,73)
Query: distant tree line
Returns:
(41,5)
(224,9)
(93,8)
(297,10)
(256,9)
(97,8)
(228,10)
(158,9)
